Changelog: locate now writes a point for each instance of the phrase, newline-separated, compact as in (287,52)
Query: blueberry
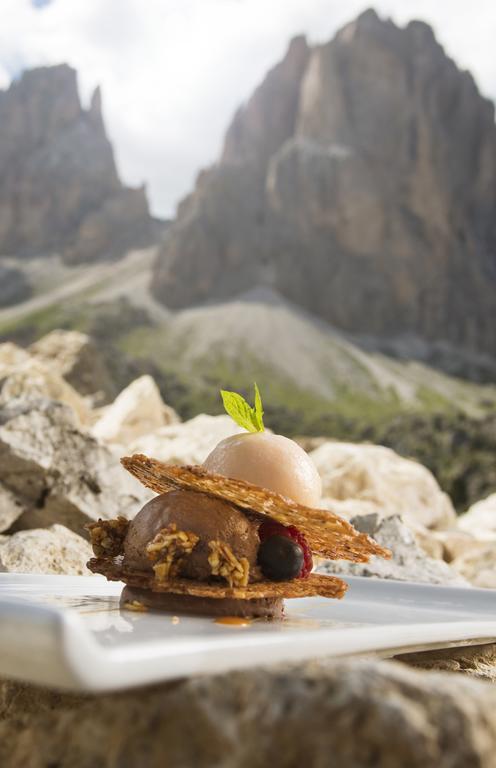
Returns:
(280,558)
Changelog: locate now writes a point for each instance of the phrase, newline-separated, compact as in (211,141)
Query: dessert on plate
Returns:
(233,537)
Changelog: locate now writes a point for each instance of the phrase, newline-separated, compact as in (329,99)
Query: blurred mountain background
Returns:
(341,251)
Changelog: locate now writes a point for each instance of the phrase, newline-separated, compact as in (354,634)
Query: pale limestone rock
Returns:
(378,476)
(478,661)
(429,542)
(138,410)
(11,356)
(46,550)
(480,520)
(59,471)
(454,543)
(327,714)
(187,443)
(478,564)
(74,356)
(408,563)
(32,379)
(11,508)
(351,508)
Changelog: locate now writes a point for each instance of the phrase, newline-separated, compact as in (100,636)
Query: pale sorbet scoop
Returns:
(271,461)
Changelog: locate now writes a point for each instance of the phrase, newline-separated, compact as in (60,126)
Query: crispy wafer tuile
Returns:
(107,536)
(327,534)
(223,562)
(168,549)
(314,584)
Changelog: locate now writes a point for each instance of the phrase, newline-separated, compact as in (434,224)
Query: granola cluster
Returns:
(224,562)
(107,536)
(168,550)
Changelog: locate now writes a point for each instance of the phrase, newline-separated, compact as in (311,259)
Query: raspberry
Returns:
(271,528)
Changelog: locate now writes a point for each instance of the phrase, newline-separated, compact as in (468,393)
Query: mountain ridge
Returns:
(59,185)
(359,181)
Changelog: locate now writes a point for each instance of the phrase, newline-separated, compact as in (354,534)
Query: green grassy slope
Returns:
(314,380)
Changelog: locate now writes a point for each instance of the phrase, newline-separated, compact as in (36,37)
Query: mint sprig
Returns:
(241,412)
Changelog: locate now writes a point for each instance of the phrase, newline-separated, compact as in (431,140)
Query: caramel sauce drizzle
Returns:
(233,621)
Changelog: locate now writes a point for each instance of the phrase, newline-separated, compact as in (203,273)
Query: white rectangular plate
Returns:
(68,632)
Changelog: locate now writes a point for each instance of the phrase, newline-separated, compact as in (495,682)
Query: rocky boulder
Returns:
(451,543)
(351,714)
(476,661)
(11,508)
(332,189)
(137,411)
(48,550)
(409,560)
(34,380)
(480,519)
(59,473)
(59,187)
(187,443)
(379,480)
(76,357)
(11,356)
(477,564)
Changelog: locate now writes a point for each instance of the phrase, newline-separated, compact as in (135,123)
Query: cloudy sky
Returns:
(173,71)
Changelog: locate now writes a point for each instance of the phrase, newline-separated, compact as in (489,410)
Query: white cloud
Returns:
(173,71)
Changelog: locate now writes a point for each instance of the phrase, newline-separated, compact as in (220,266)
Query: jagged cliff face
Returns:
(360,182)
(59,188)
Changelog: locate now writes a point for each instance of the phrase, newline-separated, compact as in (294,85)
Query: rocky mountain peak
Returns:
(59,186)
(366,22)
(268,119)
(95,109)
(359,181)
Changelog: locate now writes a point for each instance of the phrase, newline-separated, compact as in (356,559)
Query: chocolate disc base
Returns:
(268,607)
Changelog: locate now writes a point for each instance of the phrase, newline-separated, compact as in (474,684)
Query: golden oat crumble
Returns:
(224,562)
(107,536)
(168,549)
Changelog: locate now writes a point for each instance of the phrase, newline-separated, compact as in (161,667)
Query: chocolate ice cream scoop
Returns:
(207,518)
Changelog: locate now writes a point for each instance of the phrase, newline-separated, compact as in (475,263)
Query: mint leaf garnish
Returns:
(259,412)
(242,413)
